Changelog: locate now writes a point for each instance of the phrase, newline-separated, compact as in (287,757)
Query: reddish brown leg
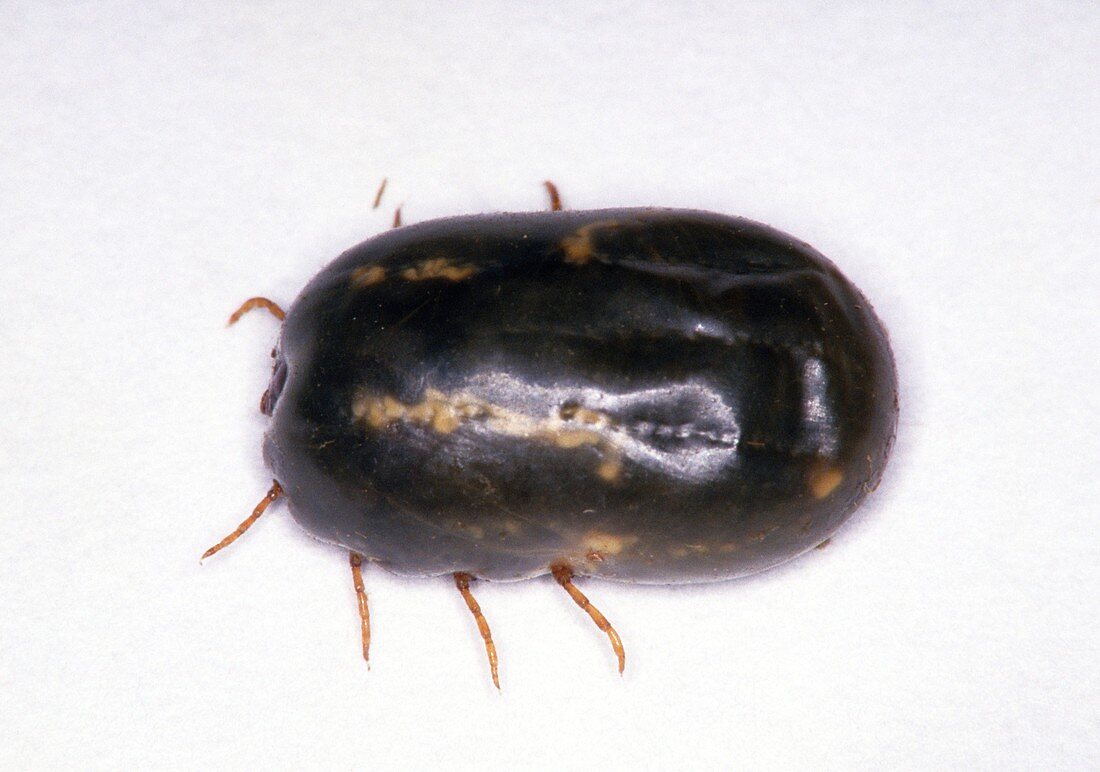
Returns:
(564,576)
(275,492)
(555,199)
(462,582)
(361,596)
(253,303)
(378,195)
(397,216)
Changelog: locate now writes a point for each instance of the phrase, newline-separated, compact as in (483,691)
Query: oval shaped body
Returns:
(644,394)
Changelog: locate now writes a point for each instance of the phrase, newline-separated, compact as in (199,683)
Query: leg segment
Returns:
(397,216)
(555,199)
(381,190)
(356,561)
(275,492)
(253,303)
(563,574)
(462,582)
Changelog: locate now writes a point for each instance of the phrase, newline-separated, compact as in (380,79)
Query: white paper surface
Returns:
(160,164)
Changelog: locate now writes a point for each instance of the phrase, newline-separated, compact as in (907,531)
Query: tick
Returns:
(645,395)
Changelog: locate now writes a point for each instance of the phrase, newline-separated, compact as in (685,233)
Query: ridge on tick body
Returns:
(645,395)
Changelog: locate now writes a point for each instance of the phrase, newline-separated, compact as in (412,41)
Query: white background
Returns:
(159,166)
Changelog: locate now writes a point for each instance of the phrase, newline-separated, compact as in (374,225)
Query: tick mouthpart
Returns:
(275,387)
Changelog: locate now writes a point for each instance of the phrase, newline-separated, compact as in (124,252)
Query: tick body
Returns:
(644,395)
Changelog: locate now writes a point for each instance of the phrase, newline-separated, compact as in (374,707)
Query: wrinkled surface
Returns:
(648,395)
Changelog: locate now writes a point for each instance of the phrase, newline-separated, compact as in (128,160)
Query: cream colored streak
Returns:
(444,413)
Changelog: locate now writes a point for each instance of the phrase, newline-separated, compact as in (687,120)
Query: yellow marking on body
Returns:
(573,412)
(444,413)
(578,246)
(683,550)
(474,530)
(573,438)
(763,533)
(604,544)
(438,268)
(824,481)
(368,275)
(611,468)
(441,414)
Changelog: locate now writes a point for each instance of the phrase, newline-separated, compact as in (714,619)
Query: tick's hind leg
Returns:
(356,561)
(275,492)
(555,198)
(563,574)
(462,582)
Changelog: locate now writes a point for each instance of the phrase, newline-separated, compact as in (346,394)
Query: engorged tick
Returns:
(646,395)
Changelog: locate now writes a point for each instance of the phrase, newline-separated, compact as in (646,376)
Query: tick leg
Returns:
(253,303)
(564,576)
(378,200)
(555,199)
(378,195)
(275,492)
(462,582)
(356,561)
